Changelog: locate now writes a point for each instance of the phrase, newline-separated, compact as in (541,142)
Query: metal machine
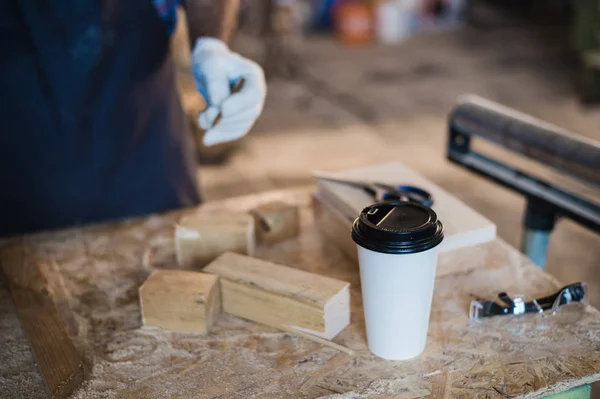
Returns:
(574,156)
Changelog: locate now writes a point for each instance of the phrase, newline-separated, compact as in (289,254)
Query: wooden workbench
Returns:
(93,276)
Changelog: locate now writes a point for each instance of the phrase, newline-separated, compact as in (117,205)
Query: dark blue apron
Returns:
(92,126)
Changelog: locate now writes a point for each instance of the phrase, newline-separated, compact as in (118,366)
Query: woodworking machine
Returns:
(549,146)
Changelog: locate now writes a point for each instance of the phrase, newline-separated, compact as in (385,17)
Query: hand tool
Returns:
(576,292)
(235,86)
(553,147)
(382,191)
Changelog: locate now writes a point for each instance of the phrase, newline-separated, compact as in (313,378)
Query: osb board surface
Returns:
(95,273)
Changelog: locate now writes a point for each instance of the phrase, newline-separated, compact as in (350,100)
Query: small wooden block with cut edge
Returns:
(275,221)
(202,237)
(181,300)
(278,295)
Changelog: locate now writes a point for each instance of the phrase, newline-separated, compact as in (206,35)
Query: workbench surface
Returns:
(93,276)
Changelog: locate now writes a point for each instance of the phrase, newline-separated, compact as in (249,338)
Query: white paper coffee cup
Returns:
(397,252)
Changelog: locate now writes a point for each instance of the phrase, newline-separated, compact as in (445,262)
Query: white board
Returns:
(463,226)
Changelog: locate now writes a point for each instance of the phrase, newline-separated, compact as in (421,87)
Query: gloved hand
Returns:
(216,69)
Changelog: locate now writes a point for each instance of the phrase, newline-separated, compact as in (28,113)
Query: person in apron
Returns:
(92,125)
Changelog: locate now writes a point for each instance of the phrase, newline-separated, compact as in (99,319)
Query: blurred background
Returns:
(353,83)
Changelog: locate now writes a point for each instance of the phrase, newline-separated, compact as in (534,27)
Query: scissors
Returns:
(382,191)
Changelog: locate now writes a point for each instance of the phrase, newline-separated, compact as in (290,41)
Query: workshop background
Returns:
(355,83)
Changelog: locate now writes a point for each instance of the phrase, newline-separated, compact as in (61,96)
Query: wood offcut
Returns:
(181,300)
(202,236)
(278,295)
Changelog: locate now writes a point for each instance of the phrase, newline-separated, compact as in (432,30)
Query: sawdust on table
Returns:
(94,280)
(18,372)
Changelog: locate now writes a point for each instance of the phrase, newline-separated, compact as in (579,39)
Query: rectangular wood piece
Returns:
(275,221)
(201,237)
(279,295)
(463,226)
(181,300)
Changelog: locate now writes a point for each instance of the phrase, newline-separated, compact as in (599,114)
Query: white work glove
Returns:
(216,69)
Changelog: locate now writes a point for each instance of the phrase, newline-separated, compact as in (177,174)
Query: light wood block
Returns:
(181,300)
(282,296)
(275,221)
(202,237)
(463,226)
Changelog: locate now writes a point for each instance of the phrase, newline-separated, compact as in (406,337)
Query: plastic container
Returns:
(395,20)
(354,22)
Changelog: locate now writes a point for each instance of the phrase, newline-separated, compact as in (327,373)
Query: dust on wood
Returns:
(93,275)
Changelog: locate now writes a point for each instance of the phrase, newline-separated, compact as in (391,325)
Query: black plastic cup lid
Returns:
(397,227)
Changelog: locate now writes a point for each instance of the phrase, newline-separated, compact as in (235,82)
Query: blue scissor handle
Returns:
(410,193)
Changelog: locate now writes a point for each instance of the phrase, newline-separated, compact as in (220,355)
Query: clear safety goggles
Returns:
(551,305)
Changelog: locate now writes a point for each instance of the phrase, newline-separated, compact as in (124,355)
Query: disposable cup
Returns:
(397,252)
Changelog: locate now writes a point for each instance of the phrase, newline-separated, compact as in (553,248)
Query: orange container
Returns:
(354,22)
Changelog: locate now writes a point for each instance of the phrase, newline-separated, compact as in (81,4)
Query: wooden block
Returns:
(275,221)
(59,362)
(282,296)
(181,300)
(463,226)
(201,237)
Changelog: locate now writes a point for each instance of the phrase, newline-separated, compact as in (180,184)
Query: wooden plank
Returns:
(59,362)
(278,295)
(201,237)
(181,300)
(334,228)
(463,227)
